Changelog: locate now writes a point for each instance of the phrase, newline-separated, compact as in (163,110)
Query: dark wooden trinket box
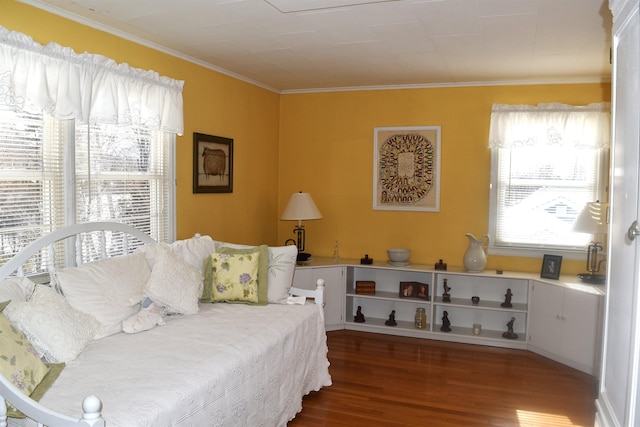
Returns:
(365,287)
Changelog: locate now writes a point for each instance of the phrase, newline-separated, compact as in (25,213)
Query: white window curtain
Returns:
(87,87)
(547,162)
(550,125)
(83,139)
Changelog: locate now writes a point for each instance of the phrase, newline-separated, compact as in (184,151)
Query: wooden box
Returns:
(365,287)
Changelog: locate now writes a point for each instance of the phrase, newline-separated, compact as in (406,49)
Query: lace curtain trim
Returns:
(550,125)
(87,87)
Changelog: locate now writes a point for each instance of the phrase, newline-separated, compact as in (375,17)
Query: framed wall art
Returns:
(551,267)
(212,164)
(406,168)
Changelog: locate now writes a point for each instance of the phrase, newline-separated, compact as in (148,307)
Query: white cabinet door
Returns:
(581,328)
(564,324)
(334,291)
(545,308)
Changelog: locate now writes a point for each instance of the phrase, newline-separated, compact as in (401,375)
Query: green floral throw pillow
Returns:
(235,276)
(19,362)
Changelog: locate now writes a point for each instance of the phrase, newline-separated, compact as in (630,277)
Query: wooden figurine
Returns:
(507,298)
(446,323)
(446,296)
(392,319)
(509,334)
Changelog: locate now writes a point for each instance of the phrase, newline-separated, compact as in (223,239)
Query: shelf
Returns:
(377,324)
(461,310)
(458,334)
(485,335)
(388,296)
(375,321)
(483,305)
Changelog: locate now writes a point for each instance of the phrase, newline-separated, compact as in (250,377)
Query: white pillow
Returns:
(174,283)
(57,331)
(108,289)
(193,250)
(281,266)
(16,289)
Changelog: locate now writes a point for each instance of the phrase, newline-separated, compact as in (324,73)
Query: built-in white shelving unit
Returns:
(462,313)
(490,312)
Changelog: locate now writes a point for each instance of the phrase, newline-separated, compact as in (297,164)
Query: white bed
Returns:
(228,365)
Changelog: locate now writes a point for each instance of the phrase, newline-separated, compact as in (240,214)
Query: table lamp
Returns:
(593,219)
(300,207)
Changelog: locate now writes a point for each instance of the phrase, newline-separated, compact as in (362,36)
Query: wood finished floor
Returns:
(383,380)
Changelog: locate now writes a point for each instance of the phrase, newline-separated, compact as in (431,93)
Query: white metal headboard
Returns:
(14,265)
(91,406)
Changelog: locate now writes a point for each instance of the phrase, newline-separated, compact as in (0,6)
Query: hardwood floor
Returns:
(383,380)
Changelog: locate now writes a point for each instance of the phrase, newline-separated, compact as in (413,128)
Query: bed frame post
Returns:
(91,411)
(320,292)
(317,294)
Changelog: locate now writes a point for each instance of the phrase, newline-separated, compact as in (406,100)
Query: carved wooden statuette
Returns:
(392,319)
(446,296)
(509,334)
(359,317)
(446,323)
(507,298)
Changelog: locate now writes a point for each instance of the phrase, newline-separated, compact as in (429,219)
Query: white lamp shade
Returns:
(593,219)
(301,207)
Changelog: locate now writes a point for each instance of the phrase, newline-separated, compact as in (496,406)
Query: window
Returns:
(55,171)
(547,163)
(114,173)
(124,173)
(30,173)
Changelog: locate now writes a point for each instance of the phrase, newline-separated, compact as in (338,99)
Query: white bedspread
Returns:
(229,365)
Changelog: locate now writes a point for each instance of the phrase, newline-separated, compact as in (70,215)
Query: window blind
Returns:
(540,193)
(113,173)
(31,182)
(122,174)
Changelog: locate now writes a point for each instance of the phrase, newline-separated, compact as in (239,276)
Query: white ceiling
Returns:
(297,45)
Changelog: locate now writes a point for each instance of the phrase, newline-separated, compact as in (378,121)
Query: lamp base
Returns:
(303,256)
(594,279)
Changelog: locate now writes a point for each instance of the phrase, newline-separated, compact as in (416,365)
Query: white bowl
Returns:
(399,254)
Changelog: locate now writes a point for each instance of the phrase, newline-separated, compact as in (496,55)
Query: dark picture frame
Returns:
(551,265)
(413,290)
(212,164)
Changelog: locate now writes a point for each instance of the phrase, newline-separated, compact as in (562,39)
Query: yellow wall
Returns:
(213,104)
(321,143)
(326,149)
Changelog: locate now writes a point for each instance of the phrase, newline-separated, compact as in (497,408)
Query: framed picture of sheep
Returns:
(212,164)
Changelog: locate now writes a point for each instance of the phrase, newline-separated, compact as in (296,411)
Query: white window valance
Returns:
(87,87)
(550,125)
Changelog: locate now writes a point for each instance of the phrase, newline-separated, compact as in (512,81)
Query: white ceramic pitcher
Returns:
(475,258)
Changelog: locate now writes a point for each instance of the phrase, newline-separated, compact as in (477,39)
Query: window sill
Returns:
(537,252)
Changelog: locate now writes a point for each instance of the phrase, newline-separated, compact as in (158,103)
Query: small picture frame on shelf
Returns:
(414,290)
(551,267)
(406,290)
(422,291)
